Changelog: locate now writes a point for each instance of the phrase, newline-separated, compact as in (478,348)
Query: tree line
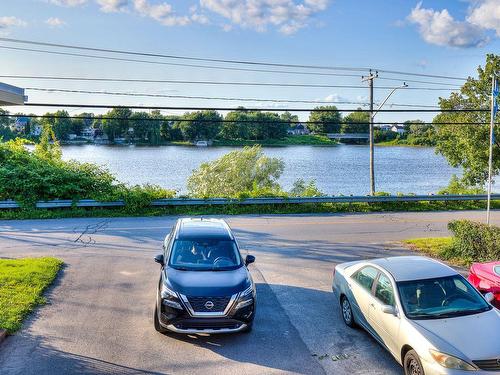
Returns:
(155,128)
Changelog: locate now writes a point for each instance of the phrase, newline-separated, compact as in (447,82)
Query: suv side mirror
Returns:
(489,297)
(249,259)
(160,259)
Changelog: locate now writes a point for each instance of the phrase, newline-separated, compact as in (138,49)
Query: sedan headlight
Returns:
(450,361)
(169,297)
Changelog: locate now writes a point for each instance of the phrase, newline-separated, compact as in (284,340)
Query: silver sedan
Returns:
(423,312)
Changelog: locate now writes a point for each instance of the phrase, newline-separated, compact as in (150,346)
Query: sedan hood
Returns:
(473,336)
(208,283)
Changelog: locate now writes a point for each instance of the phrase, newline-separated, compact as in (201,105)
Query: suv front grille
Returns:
(199,304)
(488,364)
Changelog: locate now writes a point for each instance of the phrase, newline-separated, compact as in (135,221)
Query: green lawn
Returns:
(22,282)
(437,247)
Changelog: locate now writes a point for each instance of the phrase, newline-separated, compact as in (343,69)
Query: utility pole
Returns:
(494,94)
(370,79)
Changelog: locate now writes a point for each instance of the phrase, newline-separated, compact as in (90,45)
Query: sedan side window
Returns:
(366,276)
(384,291)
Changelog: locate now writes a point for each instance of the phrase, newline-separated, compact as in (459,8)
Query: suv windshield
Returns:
(439,298)
(205,255)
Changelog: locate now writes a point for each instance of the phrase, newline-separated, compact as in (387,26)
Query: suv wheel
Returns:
(156,320)
(412,364)
(347,315)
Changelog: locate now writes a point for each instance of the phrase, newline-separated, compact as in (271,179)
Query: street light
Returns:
(372,117)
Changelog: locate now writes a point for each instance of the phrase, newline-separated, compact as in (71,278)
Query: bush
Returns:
(302,188)
(475,241)
(458,186)
(140,197)
(28,176)
(245,172)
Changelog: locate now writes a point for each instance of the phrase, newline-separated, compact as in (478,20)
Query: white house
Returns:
(400,129)
(88,133)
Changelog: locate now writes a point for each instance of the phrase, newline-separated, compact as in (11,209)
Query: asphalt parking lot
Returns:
(99,319)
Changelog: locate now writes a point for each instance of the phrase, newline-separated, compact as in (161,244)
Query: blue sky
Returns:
(431,37)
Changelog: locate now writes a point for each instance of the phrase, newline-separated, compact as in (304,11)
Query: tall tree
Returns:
(116,123)
(356,122)
(325,121)
(201,125)
(467,146)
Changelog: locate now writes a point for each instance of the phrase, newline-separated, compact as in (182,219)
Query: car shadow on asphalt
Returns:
(275,343)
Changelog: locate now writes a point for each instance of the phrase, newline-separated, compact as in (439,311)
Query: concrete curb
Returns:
(3,335)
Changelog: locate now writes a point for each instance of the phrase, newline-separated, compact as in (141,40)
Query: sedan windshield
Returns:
(205,255)
(439,298)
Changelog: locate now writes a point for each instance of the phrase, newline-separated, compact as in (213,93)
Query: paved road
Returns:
(99,318)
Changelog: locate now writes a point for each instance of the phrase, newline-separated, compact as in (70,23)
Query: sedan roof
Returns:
(406,268)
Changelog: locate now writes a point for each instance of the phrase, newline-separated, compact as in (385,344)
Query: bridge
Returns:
(352,136)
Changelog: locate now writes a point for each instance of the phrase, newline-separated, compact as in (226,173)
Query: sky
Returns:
(437,37)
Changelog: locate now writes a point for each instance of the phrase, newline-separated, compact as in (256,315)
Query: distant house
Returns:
(400,129)
(385,128)
(36,130)
(19,125)
(298,130)
(88,133)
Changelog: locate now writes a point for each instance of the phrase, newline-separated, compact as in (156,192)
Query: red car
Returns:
(486,278)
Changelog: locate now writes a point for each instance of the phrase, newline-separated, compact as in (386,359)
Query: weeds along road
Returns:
(99,318)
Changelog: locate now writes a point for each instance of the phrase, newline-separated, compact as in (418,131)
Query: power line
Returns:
(174,119)
(217,98)
(228,83)
(230,61)
(179,64)
(107,106)
(14,76)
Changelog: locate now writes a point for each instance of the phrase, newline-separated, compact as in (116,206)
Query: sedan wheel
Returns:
(347,312)
(412,364)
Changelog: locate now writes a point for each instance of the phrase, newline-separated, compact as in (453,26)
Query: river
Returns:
(337,170)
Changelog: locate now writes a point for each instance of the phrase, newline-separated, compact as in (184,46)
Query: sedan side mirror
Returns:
(489,297)
(388,309)
(249,259)
(160,259)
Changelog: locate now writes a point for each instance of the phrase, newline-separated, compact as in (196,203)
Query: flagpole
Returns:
(492,135)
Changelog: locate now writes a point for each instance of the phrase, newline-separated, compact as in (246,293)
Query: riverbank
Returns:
(296,140)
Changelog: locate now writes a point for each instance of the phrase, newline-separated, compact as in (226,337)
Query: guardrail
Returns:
(10,204)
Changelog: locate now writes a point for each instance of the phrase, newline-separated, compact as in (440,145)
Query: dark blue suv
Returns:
(205,286)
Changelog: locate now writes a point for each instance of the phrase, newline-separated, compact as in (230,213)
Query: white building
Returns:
(400,129)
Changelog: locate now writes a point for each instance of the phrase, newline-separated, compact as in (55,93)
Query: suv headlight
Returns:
(450,361)
(246,298)
(169,297)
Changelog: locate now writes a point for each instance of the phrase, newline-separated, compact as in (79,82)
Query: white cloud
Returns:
(9,21)
(162,13)
(287,16)
(68,3)
(55,22)
(440,28)
(486,14)
(113,6)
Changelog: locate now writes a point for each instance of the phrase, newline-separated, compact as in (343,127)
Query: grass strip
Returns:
(22,283)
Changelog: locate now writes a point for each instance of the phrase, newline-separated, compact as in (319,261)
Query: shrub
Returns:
(458,186)
(302,188)
(139,197)
(28,176)
(475,241)
(239,173)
